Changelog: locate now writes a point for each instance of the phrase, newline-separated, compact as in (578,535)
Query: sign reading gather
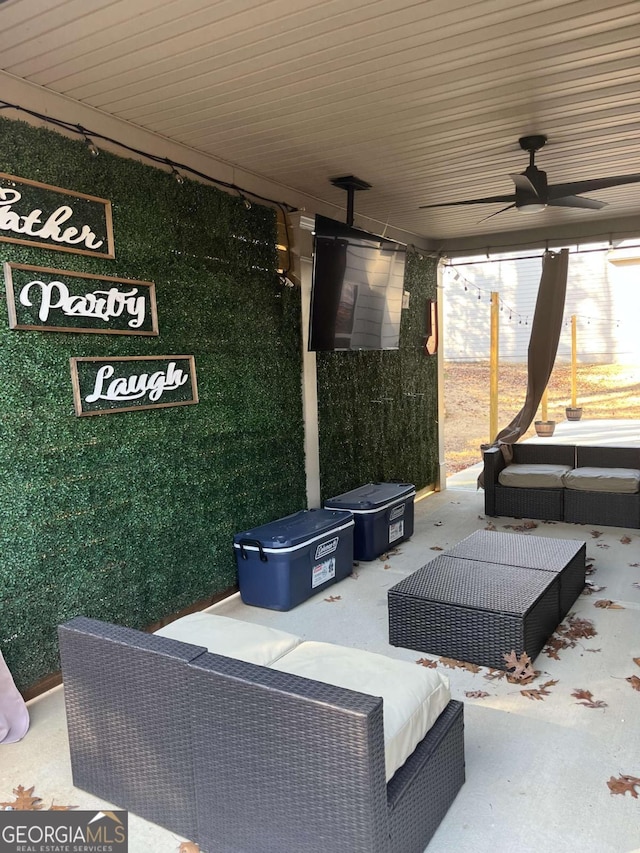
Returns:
(65,301)
(35,214)
(104,386)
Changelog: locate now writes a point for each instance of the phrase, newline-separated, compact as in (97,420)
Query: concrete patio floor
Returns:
(537,764)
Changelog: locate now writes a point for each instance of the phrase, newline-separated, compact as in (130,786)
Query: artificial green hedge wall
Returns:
(129,517)
(378,410)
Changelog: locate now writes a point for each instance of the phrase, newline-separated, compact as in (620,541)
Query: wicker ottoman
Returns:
(474,611)
(563,557)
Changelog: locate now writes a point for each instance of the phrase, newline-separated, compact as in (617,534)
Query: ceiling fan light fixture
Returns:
(531,207)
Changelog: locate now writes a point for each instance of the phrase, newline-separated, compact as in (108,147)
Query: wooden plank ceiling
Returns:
(424,99)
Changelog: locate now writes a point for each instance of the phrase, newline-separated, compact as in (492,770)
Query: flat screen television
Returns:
(357,289)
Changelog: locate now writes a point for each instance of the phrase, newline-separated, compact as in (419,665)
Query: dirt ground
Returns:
(603,390)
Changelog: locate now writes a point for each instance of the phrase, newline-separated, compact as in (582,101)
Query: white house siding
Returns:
(603,295)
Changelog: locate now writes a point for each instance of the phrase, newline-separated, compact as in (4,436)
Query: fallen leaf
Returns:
(593,650)
(602,545)
(555,645)
(596,533)
(636,661)
(25,801)
(623,784)
(386,566)
(390,553)
(625,540)
(576,629)
(430,664)
(539,693)
(634,681)
(188,847)
(495,674)
(333,598)
(476,694)
(436,548)
(490,526)
(607,604)
(459,664)
(521,528)
(522,670)
(585,697)
(590,588)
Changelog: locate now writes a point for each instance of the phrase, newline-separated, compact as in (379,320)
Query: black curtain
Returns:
(543,346)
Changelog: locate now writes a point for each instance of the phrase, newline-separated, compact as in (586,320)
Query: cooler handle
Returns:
(242,542)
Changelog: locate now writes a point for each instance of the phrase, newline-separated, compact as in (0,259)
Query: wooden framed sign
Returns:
(51,300)
(104,386)
(35,214)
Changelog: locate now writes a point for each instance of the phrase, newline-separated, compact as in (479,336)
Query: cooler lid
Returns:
(298,528)
(372,496)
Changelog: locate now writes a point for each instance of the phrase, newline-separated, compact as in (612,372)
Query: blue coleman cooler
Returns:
(383,514)
(284,562)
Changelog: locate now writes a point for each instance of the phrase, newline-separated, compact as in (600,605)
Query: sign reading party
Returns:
(35,214)
(104,386)
(64,301)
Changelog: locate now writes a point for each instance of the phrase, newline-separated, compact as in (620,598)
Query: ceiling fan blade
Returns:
(502,210)
(488,200)
(523,183)
(577,201)
(574,187)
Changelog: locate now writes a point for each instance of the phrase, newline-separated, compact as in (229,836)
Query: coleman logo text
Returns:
(327,547)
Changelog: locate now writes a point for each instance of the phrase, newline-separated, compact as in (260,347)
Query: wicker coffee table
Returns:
(564,557)
(472,604)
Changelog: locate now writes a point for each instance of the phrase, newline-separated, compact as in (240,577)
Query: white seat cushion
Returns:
(533,476)
(619,480)
(231,637)
(413,697)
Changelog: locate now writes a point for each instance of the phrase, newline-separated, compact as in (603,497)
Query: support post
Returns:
(494,363)
(574,368)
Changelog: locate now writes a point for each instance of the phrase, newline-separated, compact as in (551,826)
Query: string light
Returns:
(459,277)
(176,174)
(90,136)
(93,148)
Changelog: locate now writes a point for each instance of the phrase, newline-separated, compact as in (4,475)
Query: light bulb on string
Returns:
(93,148)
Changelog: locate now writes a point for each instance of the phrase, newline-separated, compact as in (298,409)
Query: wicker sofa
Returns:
(575,483)
(238,756)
